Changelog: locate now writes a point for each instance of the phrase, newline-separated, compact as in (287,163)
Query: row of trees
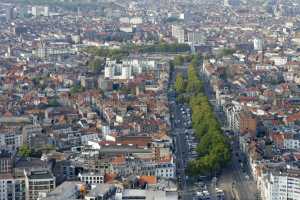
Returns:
(213,148)
(160,47)
(106,52)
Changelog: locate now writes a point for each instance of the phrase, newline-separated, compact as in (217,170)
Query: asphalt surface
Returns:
(181,145)
(235,181)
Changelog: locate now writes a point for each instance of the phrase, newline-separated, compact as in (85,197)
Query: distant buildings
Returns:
(10,13)
(258,44)
(126,69)
(231,2)
(178,33)
(195,37)
(40,11)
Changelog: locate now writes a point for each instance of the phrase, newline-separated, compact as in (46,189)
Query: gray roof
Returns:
(66,191)
(40,175)
(100,189)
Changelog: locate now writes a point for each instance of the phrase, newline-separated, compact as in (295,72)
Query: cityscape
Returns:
(150,99)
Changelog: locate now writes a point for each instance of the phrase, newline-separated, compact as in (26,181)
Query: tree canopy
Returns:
(179,84)
(24,151)
(213,148)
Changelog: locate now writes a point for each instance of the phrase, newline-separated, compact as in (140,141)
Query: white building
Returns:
(108,72)
(127,68)
(11,188)
(40,11)
(89,137)
(126,72)
(231,2)
(37,182)
(258,44)
(102,191)
(167,170)
(178,32)
(136,20)
(124,20)
(232,112)
(91,178)
(281,186)
(279,61)
(292,143)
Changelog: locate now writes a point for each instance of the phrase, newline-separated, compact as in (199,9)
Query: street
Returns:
(236,182)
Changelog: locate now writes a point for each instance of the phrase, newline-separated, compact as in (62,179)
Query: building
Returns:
(248,124)
(101,191)
(10,138)
(115,70)
(136,20)
(232,2)
(145,194)
(91,178)
(40,11)
(6,162)
(281,185)
(11,188)
(232,113)
(195,37)
(258,44)
(29,132)
(37,182)
(291,142)
(178,33)
(165,170)
(9,13)
(68,190)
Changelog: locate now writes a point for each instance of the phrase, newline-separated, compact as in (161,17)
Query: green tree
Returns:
(24,151)
(179,84)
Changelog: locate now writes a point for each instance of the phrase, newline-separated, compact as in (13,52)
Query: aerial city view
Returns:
(150,99)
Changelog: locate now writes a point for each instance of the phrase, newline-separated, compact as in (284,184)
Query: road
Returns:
(181,146)
(233,178)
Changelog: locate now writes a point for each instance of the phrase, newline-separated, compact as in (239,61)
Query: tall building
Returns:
(178,32)
(9,51)
(37,182)
(258,44)
(114,70)
(9,13)
(12,188)
(40,11)
(281,184)
(6,162)
(195,37)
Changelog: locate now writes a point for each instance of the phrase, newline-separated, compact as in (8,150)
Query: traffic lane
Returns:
(181,147)
(242,185)
(181,157)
